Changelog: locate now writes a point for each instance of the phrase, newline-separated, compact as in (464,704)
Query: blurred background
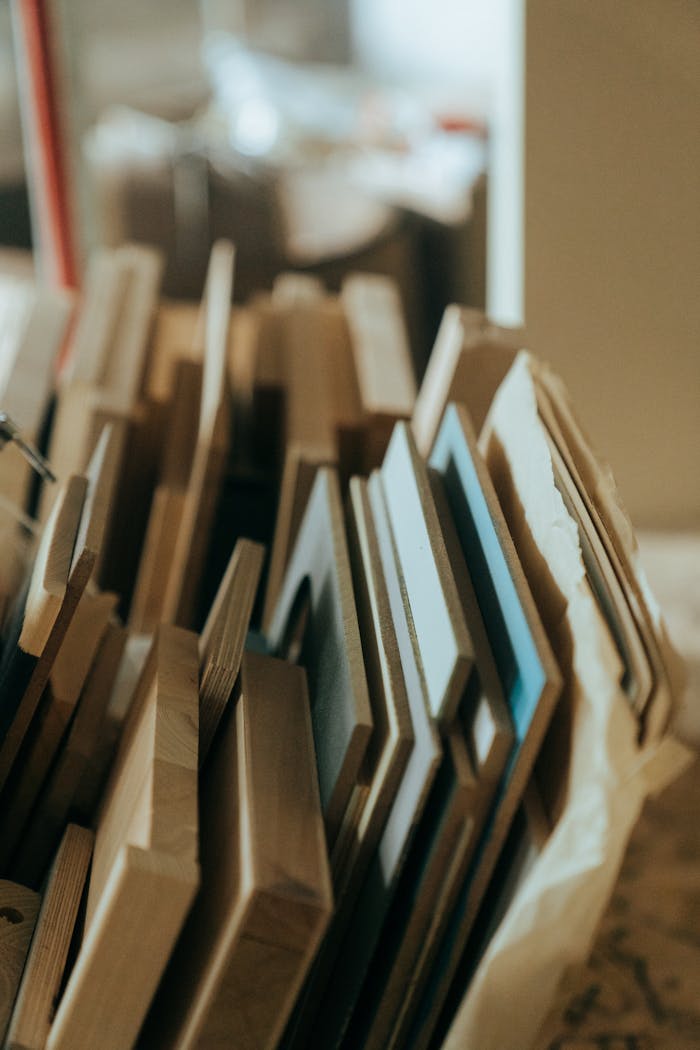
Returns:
(537,158)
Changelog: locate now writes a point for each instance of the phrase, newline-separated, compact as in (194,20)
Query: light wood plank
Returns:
(145,870)
(43,974)
(266,891)
(78,765)
(212,446)
(223,637)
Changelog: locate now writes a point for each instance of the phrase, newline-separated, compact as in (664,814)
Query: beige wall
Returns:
(612,233)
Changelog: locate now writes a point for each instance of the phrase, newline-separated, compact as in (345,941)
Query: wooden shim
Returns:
(174,337)
(78,763)
(528,671)
(43,974)
(379,886)
(469,359)
(145,870)
(63,689)
(18,911)
(332,650)
(211,451)
(223,637)
(446,650)
(380,345)
(266,892)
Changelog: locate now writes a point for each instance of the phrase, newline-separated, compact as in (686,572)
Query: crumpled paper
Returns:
(553,917)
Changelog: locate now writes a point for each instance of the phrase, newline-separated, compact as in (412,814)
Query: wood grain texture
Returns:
(223,637)
(529,675)
(334,1009)
(445,647)
(44,971)
(18,911)
(468,361)
(266,893)
(212,446)
(332,649)
(145,870)
(77,764)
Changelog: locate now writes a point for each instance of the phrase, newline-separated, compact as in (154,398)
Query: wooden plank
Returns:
(266,891)
(468,361)
(46,962)
(380,345)
(175,336)
(223,637)
(529,675)
(298,477)
(145,870)
(445,647)
(168,506)
(77,764)
(27,657)
(374,899)
(101,301)
(211,450)
(18,911)
(319,574)
(61,695)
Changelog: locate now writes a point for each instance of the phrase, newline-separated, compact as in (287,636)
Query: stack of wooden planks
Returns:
(262,801)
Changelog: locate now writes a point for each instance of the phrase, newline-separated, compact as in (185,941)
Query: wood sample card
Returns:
(145,871)
(18,911)
(223,637)
(446,651)
(470,358)
(266,894)
(529,675)
(319,579)
(374,899)
(43,974)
